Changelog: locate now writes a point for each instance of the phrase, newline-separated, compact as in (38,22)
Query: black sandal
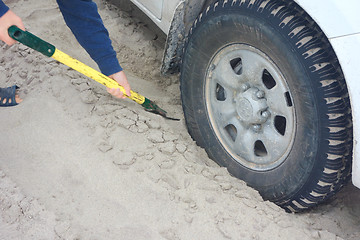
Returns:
(7,96)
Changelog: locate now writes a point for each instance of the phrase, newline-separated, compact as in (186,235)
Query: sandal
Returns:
(7,96)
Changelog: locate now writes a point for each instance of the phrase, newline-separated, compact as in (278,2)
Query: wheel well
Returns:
(184,16)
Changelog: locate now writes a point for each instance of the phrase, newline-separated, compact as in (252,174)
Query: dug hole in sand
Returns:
(76,163)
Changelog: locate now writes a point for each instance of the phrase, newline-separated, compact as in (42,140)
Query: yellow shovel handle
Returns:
(93,74)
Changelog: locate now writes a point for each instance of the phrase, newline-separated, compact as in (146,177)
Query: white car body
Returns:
(338,19)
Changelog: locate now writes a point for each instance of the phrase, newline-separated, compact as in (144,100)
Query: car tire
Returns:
(264,94)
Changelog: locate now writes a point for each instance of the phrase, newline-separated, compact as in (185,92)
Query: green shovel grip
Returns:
(31,41)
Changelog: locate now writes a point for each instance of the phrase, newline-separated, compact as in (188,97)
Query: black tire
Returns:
(317,160)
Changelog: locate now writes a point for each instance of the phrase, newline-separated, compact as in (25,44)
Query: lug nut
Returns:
(256,127)
(245,87)
(265,114)
(260,94)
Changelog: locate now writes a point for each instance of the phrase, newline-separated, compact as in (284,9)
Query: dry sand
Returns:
(76,163)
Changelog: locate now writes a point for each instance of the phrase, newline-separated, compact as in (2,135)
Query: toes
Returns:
(18,99)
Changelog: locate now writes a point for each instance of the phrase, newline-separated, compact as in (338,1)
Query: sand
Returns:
(75,163)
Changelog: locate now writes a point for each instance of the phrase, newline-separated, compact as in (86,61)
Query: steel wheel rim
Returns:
(250,107)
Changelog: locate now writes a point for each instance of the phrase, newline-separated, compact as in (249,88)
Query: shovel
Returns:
(49,50)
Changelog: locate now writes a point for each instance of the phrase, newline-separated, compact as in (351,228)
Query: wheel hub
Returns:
(251,106)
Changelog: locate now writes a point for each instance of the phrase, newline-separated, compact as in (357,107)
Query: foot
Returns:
(9,96)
